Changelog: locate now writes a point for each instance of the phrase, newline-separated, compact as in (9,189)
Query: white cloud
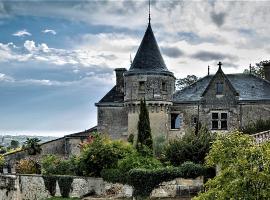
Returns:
(6,78)
(22,33)
(49,31)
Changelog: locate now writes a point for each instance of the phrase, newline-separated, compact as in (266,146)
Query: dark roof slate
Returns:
(113,96)
(148,57)
(249,87)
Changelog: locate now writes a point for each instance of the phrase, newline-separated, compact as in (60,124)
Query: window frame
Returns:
(219,88)
(220,120)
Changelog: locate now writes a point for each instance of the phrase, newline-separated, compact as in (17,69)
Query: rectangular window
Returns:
(219,88)
(163,86)
(176,121)
(219,121)
(141,86)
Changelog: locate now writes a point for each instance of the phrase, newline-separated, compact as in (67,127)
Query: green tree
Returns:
(191,147)
(181,83)
(144,130)
(14,144)
(244,169)
(102,153)
(32,146)
(258,69)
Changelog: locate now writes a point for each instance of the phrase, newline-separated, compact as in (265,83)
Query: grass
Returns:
(61,198)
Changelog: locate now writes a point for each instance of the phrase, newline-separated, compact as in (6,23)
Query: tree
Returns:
(181,83)
(14,144)
(32,146)
(144,130)
(244,169)
(258,69)
(191,147)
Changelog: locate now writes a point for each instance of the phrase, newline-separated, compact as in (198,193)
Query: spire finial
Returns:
(208,70)
(149,18)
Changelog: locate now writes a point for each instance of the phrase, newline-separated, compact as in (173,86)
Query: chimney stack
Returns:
(119,72)
(266,67)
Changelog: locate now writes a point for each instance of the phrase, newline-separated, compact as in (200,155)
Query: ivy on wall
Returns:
(64,182)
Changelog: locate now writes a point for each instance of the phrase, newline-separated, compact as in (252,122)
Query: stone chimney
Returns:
(119,72)
(266,67)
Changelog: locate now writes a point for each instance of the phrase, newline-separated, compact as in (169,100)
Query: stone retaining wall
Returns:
(33,187)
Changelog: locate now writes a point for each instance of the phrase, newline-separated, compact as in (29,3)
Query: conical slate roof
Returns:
(148,58)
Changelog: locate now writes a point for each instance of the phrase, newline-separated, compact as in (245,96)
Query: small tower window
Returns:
(141,85)
(163,86)
(176,121)
(219,88)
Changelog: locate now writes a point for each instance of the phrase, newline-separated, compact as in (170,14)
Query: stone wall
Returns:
(113,120)
(33,187)
(56,147)
(251,112)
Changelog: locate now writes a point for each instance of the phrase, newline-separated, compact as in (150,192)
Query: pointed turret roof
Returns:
(148,58)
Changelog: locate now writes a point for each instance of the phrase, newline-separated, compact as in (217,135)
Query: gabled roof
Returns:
(148,58)
(220,72)
(113,96)
(249,87)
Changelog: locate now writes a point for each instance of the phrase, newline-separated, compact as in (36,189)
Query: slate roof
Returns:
(249,87)
(148,58)
(113,96)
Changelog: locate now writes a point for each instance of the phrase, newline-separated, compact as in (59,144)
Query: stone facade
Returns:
(221,102)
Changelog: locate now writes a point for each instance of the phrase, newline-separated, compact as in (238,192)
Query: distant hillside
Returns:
(6,139)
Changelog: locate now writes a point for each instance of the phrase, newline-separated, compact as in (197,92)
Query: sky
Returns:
(57,57)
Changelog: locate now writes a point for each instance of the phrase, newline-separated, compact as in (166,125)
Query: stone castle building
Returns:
(222,102)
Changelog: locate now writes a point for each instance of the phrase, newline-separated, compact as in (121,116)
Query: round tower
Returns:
(148,78)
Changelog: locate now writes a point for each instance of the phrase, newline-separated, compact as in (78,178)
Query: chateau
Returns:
(222,102)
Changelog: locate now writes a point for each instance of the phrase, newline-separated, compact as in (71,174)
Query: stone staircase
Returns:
(262,136)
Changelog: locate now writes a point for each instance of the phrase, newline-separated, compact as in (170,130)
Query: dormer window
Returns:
(219,88)
(142,86)
(163,86)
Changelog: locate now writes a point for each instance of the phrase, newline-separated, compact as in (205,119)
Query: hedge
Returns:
(145,180)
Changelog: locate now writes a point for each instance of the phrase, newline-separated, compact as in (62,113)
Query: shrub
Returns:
(128,163)
(27,166)
(102,153)
(138,161)
(52,164)
(191,147)
(145,180)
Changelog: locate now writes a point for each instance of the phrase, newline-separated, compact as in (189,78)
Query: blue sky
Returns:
(57,57)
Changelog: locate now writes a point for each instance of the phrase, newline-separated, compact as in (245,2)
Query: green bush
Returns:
(126,164)
(102,153)
(159,145)
(256,127)
(145,180)
(191,147)
(53,165)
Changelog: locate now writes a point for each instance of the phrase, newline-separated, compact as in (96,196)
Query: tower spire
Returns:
(149,17)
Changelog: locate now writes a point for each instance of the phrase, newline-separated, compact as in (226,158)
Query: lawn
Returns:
(61,198)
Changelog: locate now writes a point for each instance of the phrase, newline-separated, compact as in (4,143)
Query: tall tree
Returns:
(258,69)
(181,83)
(32,146)
(144,130)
